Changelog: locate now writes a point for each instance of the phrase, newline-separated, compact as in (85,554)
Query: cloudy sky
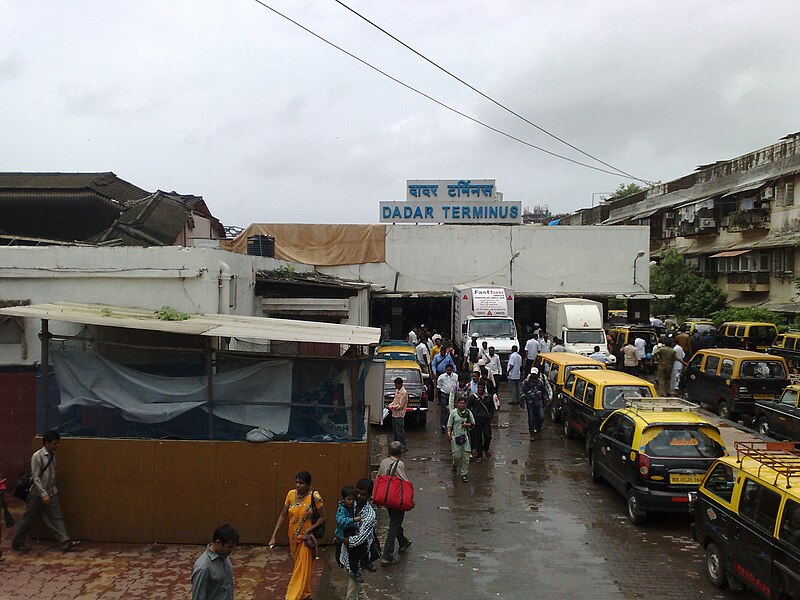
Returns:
(229,101)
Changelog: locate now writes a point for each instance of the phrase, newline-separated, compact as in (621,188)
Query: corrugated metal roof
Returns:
(153,221)
(106,184)
(210,325)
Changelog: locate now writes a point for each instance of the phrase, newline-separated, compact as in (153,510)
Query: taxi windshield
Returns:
(407,375)
(614,396)
(763,369)
(683,442)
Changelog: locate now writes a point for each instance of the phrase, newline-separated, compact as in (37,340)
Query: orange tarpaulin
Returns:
(313,244)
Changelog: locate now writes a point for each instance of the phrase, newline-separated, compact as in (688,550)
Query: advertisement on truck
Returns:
(487,311)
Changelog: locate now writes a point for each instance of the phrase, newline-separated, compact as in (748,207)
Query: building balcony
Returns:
(748,282)
(748,220)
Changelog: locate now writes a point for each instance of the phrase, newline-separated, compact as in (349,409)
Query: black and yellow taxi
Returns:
(590,396)
(411,374)
(654,451)
(779,418)
(730,381)
(747,335)
(787,345)
(555,367)
(626,334)
(690,326)
(747,517)
(396,350)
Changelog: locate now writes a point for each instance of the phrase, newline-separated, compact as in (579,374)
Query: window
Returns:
(610,426)
(712,362)
(720,482)
(589,398)
(696,360)
(614,396)
(739,331)
(763,369)
(788,193)
(553,376)
(778,343)
(570,381)
(727,368)
(759,505)
(790,524)
(789,397)
(580,388)
(763,262)
(762,331)
(791,343)
(681,442)
(571,368)
(625,431)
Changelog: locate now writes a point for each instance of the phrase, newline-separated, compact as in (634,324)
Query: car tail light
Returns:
(644,466)
(424,396)
(735,391)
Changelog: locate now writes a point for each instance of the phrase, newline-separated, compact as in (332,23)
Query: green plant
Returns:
(694,296)
(285,272)
(749,313)
(167,313)
(736,219)
(106,312)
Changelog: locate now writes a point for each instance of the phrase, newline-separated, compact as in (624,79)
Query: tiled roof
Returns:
(107,184)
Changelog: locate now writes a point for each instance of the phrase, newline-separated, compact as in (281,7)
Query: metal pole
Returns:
(44,380)
(210,386)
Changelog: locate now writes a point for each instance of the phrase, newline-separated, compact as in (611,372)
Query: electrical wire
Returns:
(487,97)
(439,102)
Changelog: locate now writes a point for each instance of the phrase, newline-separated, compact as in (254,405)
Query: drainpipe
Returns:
(224,288)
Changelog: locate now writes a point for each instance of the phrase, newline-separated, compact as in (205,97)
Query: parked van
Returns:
(555,367)
(747,517)
(747,335)
(729,381)
(625,334)
(590,396)
(787,345)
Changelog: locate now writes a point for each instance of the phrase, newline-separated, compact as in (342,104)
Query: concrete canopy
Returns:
(211,325)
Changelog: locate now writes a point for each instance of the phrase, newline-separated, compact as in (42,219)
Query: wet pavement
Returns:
(529,524)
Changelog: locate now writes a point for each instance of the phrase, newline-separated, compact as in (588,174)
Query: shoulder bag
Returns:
(392,492)
(319,532)
(25,481)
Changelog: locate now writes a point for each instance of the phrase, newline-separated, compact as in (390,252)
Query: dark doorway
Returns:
(403,313)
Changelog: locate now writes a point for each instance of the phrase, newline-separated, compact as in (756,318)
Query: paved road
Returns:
(531,524)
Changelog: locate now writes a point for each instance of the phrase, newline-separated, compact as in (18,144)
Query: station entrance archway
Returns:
(402,312)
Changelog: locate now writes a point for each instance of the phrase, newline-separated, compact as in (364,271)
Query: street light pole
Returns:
(639,255)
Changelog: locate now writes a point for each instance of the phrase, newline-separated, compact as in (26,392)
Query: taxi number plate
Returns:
(678,479)
(763,396)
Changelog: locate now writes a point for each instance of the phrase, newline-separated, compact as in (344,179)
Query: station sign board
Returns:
(445,190)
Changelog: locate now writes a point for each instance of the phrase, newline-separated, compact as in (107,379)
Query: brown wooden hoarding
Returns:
(142,491)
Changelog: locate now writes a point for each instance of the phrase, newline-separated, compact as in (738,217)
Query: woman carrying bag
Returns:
(458,425)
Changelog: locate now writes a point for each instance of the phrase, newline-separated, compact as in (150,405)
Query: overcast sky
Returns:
(228,101)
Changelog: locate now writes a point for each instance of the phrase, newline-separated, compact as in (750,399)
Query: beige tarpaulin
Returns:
(323,245)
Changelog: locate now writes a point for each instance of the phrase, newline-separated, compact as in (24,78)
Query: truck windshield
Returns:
(498,328)
(584,336)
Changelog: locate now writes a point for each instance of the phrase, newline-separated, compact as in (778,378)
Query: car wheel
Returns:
(723,410)
(635,514)
(716,572)
(596,477)
(567,429)
(763,426)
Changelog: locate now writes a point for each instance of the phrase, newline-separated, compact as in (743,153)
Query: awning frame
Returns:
(729,253)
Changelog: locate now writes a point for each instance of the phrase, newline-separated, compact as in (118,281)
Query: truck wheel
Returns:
(596,477)
(723,410)
(716,572)
(635,514)
(762,426)
(567,429)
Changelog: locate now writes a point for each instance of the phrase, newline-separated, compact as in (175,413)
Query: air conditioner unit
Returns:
(767,193)
(707,223)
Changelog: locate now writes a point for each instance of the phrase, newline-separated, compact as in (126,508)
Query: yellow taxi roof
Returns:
(766,474)
(699,321)
(749,323)
(402,364)
(399,349)
(737,353)
(654,416)
(610,377)
(570,358)
(792,334)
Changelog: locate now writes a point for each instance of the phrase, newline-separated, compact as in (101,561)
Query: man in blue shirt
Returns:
(441,360)
(212,575)
(514,374)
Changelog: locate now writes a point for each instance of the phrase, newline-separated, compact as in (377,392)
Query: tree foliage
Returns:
(624,190)
(753,313)
(695,296)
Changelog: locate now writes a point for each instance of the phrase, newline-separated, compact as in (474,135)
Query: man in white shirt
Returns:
(532,349)
(599,356)
(640,347)
(446,383)
(514,374)
(495,369)
(677,367)
(412,337)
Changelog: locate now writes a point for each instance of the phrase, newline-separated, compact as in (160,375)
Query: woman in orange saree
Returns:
(297,508)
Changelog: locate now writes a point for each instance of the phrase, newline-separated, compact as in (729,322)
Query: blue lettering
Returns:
(428,212)
(407,212)
(514,212)
(465,211)
(492,212)
(503,212)
(456,212)
(446,208)
(418,213)
(396,213)
(477,212)
(387,211)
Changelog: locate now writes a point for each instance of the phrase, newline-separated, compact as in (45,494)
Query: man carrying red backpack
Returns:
(392,464)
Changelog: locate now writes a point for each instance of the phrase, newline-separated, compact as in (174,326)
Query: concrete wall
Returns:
(549,261)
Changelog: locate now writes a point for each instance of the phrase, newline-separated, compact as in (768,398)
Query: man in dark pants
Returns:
(43,497)
(482,407)
(534,395)
(397,408)
(396,517)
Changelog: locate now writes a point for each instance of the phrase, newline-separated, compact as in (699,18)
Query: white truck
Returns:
(578,323)
(487,310)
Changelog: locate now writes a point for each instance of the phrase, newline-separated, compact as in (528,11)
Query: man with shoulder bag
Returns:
(43,497)
(392,464)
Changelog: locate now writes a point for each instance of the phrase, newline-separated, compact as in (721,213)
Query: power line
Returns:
(439,102)
(486,96)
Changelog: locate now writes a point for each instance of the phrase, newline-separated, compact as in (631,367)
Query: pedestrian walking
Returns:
(473,352)
(472,385)
(514,373)
(630,359)
(484,353)
(447,388)
(558,346)
(397,408)
(458,426)
(423,355)
(481,405)
(677,367)
(346,526)
(495,368)
(299,508)
(212,574)
(599,356)
(665,357)
(361,539)
(641,347)
(534,396)
(442,360)
(412,337)
(43,497)
(532,349)
(393,464)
